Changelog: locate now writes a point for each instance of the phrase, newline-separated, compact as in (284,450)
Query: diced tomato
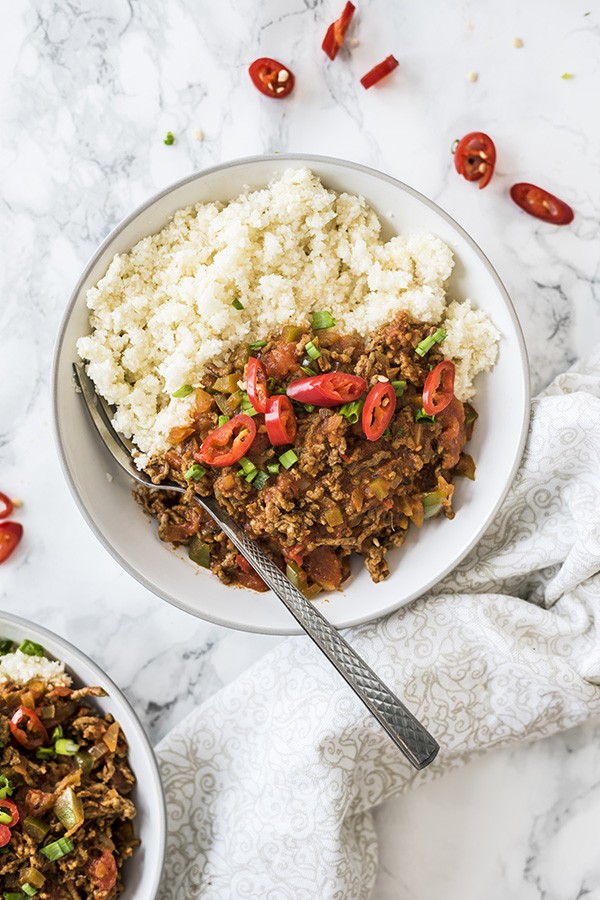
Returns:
(271,78)
(103,871)
(379,71)
(27,729)
(251,580)
(295,553)
(227,444)
(541,204)
(256,384)
(475,157)
(438,390)
(281,359)
(280,420)
(334,37)
(6,506)
(452,439)
(324,566)
(330,389)
(10,535)
(378,410)
(38,802)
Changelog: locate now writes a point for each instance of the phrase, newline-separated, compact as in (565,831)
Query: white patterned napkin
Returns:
(271,783)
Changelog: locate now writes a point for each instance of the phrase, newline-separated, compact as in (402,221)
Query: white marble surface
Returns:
(87,93)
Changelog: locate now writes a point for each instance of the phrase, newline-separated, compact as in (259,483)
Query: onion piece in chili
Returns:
(438,390)
(271,78)
(381,70)
(334,37)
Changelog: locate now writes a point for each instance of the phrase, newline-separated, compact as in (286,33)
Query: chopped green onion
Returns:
(237,304)
(57,733)
(12,896)
(57,849)
(35,828)
(5,818)
(352,411)
(195,473)
(223,420)
(309,407)
(31,649)
(421,416)
(251,475)
(183,391)
(45,753)
(6,787)
(307,371)
(321,320)
(65,747)
(288,459)
(260,480)
(256,345)
(312,350)
(436,338)
(169,139)
(247,465)
(28,889)
(199,552)
(566,76)
(246,405)
(273,468)
(6,646)
(399,387)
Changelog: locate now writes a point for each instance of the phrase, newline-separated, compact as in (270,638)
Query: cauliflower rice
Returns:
(21,668)
(164,310)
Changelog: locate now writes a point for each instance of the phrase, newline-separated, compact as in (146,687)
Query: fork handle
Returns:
(409,735)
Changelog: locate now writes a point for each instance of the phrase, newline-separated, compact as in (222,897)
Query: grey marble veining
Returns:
(87,94)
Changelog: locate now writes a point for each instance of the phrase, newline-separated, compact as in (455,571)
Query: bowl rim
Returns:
(306,158)
(73,653)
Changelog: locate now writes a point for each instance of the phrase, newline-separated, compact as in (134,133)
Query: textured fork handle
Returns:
(415,742)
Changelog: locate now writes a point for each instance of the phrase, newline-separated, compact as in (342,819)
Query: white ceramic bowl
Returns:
(502,402)
(141,873)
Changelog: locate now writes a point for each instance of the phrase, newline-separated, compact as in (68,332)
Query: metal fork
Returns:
(412,738)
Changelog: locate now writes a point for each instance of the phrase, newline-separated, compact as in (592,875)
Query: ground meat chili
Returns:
(65,783)
(337,488)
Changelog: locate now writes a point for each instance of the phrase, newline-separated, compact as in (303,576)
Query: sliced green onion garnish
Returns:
(273,468)
(308,371)
(246,405)
(223,420)
(237,304)
(195,473)
(321,320)
(31,649)
(183,391)
(5,818)
(312,350)
(169,138)
(260,480)
(309,407)
(421,416)
(65,747)
(6,787)
(45,753)
(352,411)
(288,459)
(12,896)
(247,465)
(57,849)
(428,342)
(399,387)
(57,733)
(28,889)
(6,646)
(251,475)
(256,345)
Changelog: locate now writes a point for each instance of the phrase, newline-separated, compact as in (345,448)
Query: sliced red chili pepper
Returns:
(10,535)
(379,71)
(541,204)
(226,445)
(5,835)
(330,389)
(103,871)
(9,807)
(280,420)
(439,388)
(378,410)
(272,78)
(28,729)
(475,157)
(256,384)
(6,506)
(334,37)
